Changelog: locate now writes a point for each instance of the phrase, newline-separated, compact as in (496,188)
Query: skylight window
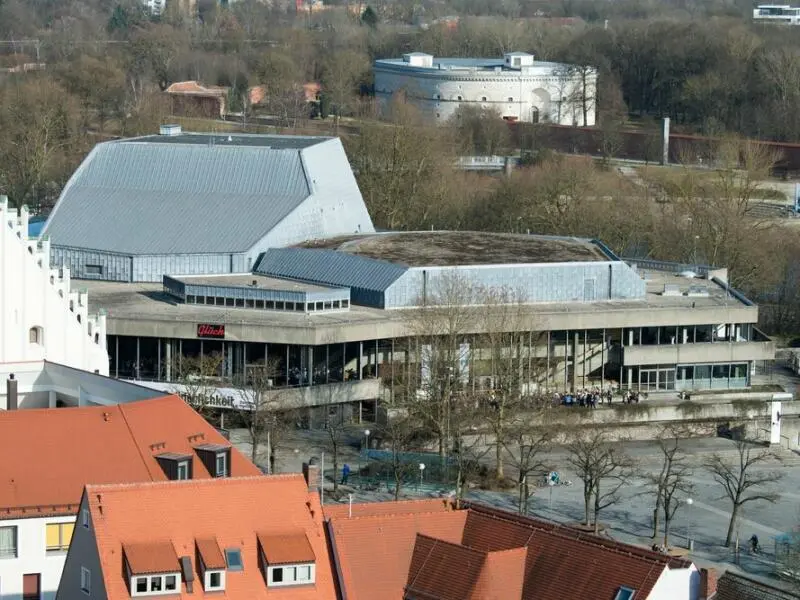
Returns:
(233,556)
(625,593)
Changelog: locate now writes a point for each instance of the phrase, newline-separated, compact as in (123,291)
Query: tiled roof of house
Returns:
(733,586)
(286,548)
(195,88)
(367,509)
(481,552)
(374,552)
(209,551)
(101,444)
(234,512)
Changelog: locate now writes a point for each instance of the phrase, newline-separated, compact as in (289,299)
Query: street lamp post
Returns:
(421,472)
(366,435)
(689,540)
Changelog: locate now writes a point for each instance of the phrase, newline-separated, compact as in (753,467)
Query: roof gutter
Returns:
(341,593)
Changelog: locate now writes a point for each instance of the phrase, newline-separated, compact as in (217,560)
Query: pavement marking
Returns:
(741,520)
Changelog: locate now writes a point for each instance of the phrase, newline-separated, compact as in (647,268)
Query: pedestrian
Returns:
(345,473)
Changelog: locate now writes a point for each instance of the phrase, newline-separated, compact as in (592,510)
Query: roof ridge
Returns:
(482,553)
(384,515)
(106,487)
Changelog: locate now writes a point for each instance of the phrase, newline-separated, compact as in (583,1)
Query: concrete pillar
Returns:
(136,372)
(51,399)
(116,356)
(630,377)
(575,342)
(630,337)
(360,360)
(566,360)
(665,141)
(168,363)
(310,361)
(547,372)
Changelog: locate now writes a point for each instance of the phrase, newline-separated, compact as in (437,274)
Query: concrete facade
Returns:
(41,316)
(516,86)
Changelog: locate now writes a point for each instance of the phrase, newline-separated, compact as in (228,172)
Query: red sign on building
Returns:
(206,330)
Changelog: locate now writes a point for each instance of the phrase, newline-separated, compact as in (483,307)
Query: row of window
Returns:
(57,537)
(268,304)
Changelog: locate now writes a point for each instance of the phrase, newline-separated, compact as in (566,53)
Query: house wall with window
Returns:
(41,317)
(84,546)
(33,546)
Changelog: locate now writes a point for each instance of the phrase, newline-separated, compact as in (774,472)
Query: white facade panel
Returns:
(32,557)
(543,92)
(41,318)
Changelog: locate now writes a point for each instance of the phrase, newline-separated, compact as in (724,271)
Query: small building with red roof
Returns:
(54,453)
(245,538)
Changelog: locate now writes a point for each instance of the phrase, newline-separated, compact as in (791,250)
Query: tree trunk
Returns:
(335,468)
(498,456)
(254,450)
(655,520)
(732,525)
(397,479)
(587,504)
(667,523)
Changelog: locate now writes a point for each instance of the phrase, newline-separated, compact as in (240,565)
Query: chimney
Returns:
(708,583)
(11,393)
(311,474)
(106,416)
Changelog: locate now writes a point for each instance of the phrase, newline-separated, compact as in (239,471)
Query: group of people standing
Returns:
(590,398)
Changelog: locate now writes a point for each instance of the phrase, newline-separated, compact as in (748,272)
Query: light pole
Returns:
(366,435)
(689,540)
(421,472)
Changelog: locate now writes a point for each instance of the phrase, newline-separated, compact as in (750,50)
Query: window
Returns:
(35,335)
(191,300)
(459,98)
(86,580)
(183,470)
(233,557)
(85,518)
(625,593)
(155,585)
(483,98)
(93,269)
(510,99)
(8,542)
(58,536)
(286,575)
(222,465)
(214,580)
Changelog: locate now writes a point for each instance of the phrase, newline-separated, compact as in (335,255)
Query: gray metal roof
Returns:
(156,197)
(277,142)
(330,267)
(481,64)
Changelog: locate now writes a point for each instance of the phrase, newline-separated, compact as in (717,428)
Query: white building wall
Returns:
(545,88)
(32,557)
(335,206)
(677,584)
(32,295)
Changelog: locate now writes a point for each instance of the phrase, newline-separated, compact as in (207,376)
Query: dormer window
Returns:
(210,564)
(216,458)
(177,467)
(152,569)
(287,560)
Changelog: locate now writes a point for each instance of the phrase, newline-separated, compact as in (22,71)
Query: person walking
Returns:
(345,473)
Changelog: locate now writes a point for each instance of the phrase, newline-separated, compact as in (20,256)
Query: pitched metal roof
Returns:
(330,267)
(175,195)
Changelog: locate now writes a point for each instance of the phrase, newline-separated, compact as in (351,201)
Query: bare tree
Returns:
(673,480)
(469,445)
(599,461)
(437,328)
(398,430)
(197,380)
(526,449)
(258,408)
(742,480)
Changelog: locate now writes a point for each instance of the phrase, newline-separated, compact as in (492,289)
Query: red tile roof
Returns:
(233,511)
(286,548)
(196,89)
(367,509)
(152,557)
(210,553)
(100,444)
(483,553)
(374,552)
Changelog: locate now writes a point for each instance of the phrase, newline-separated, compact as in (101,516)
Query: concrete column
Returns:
(566,360)
(630,337)
(168,363)
(603,362)
(547,372)
(116,356)
(287,365)
(51,399)
(665,141)
(310,360)
(137,370)
(630,377)
(360,360)
(575,342)
(159,366)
